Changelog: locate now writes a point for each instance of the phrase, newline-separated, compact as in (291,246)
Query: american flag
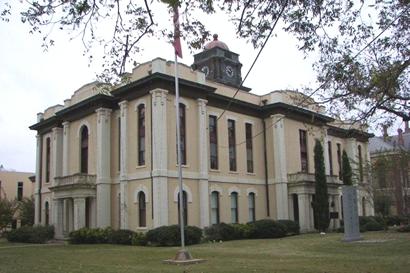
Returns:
(177,36)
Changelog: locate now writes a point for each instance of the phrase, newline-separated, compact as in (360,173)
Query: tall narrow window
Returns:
(359,150)
(339,160)
(251,204)
(295,207)
(214,207)
(234,207)
(184,207)
(213,142)
(141,135)
(329,150)
(142,210)
(119,143)
(19,191)
(232,145)
(182,131)
(249,148)
(84,149)
(47,213)
(303,150)
(48,154)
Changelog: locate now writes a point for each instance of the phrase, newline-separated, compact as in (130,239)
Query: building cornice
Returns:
(349,133)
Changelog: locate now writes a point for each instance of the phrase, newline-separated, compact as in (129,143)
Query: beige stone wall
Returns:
(9,182)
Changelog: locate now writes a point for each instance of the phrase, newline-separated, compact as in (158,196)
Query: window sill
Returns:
(141,228)
(215,170)
(233,172)
(183,166)
(140,166)
(252,174)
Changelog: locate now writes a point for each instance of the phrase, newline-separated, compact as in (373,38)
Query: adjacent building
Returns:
(107,157)
(390,158)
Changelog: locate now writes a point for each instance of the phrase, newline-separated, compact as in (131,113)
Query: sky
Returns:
(32,80)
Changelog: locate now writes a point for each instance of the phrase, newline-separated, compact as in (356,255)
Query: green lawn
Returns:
(304,253)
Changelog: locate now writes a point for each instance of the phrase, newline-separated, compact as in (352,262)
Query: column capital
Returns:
(57,130)
(123,104)
(66,124)
(277,116)
(158,91)
(202,101)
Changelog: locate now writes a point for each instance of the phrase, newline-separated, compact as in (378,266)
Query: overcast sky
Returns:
(32,80)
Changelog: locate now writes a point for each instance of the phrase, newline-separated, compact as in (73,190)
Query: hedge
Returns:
(28,234)
(292,227)
(405,228)
(170,236)
(90,236)
(264,229)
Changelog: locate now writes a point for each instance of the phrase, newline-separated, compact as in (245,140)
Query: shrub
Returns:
(405,228)
(139,239)
(90,236)
(267,229)
(121,237)
(373,226)
(27,234)
(170,236)
(292,228)
(220,232)
(241,231)
(374,221)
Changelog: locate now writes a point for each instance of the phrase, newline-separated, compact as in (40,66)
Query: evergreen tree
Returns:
(321,201)
(346,170)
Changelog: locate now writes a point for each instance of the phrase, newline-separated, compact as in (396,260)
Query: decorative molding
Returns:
(144,189)
(215,188)
(234,189)
(251,190)
(138,103)
(184,102)
(186,189)
(83,123)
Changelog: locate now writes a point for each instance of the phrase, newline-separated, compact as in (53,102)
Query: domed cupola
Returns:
(218,63)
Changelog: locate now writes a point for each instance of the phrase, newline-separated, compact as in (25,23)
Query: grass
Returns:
(304,253)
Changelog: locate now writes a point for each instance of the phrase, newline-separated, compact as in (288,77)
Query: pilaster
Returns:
(123,164)
(57,156)
(203,164)
(304,212)
(66,148)
(58,212)
(79,213)
(103,180)
(281,176)
(37,188)
(159,157)
(326,151)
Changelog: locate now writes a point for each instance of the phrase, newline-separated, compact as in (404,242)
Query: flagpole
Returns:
(181,207)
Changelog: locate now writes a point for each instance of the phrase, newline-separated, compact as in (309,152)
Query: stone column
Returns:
(304,212)
(103,180)
(203,164)
(326,151)
(37,189)
(66,137)
(123,165)
(159,157)
(57,153)
(58,212)
(79,213)
(281,176)
(351,150)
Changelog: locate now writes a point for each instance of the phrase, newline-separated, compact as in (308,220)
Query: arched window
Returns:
(234,207)
(359,150)
(48,153)
(214,207)
(141,134)
(84,150)
(182,131)
(47,213)
(142,210)
(251,202)
(363,206)
(184,207)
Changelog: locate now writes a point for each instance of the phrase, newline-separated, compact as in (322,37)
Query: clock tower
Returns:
(219,64)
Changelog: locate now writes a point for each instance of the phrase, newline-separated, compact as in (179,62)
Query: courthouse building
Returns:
(107,157)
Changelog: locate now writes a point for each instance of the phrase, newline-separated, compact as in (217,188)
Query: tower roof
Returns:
(216,43)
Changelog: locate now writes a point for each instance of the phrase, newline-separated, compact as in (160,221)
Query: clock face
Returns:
(205,70)
(229,71)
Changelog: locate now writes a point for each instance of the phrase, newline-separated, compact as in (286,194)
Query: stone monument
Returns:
(350,214)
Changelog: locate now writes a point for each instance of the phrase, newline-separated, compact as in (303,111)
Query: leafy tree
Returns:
(7,210)
(26,211)
(363,47)
(382,205)
(346,170)
(321,202)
